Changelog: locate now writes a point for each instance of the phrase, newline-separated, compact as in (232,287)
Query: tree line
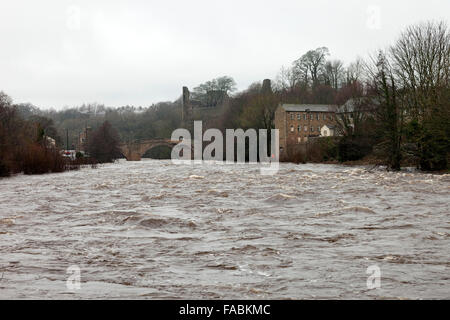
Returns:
(399,116)
(400,100)
(30,143)
(26,145)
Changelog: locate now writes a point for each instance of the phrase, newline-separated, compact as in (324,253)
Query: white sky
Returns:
(56,53)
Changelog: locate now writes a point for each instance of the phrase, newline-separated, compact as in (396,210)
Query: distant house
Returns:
(328,130)
(50,142)
(298,122)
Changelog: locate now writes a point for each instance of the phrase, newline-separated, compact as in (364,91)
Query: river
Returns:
(155,230)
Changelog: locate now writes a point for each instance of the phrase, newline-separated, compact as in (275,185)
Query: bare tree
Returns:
(421,58)
(389,109)
(353,110)
(333,73)
(311,64)
(421,62)
(286,79)
(260,111)
(104,143)
(354,72)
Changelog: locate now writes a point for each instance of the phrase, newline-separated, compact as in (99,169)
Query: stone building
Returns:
(299,122)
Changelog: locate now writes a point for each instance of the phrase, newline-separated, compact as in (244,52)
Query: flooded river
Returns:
(154,230)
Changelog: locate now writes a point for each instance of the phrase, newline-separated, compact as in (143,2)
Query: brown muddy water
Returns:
(155,230)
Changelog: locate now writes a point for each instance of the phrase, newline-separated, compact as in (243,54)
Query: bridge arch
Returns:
(133,151)
(158,151)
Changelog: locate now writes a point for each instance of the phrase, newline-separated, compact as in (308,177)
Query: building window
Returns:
(312,129)
(324,117)
(304,116)
(306,128)
(318,116)
(299,140)
(292,128)
(299,116)
(311,116)
(318,129)
(292,116)
(299,128)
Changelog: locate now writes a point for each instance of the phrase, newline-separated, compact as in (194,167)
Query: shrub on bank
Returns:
(322,149)
(37,159)
(79,162)
(352,149)
(316,150)
(4,169)
(294,156)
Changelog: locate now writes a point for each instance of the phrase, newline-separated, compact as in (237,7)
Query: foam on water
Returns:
(152,230)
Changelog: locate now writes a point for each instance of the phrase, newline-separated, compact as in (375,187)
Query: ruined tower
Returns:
(266,86)
(186,109)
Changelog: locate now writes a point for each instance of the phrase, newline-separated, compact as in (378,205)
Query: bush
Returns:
(322,149)
(4,169)
(435,151)
(37,159)
(351,149)
(294,155)
(104,144)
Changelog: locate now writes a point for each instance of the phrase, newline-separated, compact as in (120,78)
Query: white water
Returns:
(152,229)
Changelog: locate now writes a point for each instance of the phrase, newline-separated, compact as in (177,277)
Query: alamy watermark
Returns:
(73,282)
(374,279)
(73,21)
(235,141)
(373,21)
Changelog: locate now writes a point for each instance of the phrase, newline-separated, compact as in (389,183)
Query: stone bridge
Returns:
(133,151)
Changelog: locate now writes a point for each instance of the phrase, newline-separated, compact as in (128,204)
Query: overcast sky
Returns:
(56,53)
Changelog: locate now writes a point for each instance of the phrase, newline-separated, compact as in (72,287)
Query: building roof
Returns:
(309,107)
(350,105)
(360,104)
